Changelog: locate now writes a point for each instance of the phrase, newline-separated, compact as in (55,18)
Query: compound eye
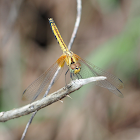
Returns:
(73,66)
(78,65)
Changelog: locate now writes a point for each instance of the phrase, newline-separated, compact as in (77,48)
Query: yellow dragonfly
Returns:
(78,68)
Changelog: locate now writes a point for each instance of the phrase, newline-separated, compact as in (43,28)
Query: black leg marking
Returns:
(80,75)
(65,76)
(77,76)
(71,76)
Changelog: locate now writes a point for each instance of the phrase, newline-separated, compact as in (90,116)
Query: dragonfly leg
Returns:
(65,77)
(66,86)
(80,75)
(71,76)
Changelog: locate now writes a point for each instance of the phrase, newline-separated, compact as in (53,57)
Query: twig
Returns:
(34,113)
(78,18)
(69,47)
(48,100)
(27,125)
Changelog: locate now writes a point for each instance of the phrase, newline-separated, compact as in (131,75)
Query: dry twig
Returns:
(79,8)
(52,98)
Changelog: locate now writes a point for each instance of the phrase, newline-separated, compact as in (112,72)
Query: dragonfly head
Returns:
(75,68)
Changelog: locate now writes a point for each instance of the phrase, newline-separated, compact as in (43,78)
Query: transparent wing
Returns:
(112,83)
(40,85)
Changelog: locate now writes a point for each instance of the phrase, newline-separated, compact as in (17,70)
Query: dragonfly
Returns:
(78,68)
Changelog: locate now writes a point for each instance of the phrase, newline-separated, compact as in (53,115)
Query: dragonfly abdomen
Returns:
(57,35)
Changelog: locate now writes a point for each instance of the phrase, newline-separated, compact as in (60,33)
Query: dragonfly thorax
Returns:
(75,68)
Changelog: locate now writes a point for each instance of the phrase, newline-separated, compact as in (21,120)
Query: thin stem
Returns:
(78,18)
(46,93)
(48,100)
(69,47)
(27,126)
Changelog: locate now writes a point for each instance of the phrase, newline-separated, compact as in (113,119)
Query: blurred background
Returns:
(108,36)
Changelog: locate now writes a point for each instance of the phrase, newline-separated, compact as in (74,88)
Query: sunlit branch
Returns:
(48,100)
